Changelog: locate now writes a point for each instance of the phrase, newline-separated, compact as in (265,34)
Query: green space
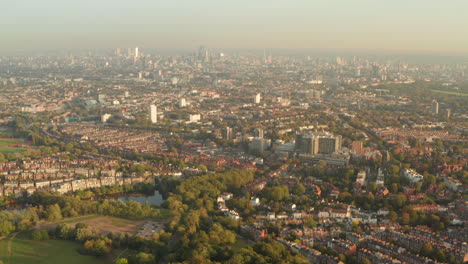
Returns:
(449,92)
(6,134)
(6,142)
(164,213)
(79,219)
(120,222)
(240,244)
(20,249)
(6,150)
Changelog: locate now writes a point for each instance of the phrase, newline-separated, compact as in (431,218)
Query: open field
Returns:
(108,224)
(164,213)
(449,92)
(78,219)
(6,150)
(11,145)
(20,249)
(8,141)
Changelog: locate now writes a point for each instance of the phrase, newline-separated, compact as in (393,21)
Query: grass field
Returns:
(25,251)
(108,223)
(449,92)
(6,150)
(6,142)
(79,219)
(164,213)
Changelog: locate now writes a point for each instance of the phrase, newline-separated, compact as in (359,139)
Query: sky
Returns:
(410,26)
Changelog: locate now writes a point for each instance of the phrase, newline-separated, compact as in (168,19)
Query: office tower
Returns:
(153,114)
(194,118)
(435,107)
(449,113)
(129,53)
(259,145)
(137,53)
(257,98)
(203,54)
(105,117)
(307,143)
(329,144)
(182,103)
(357,73)
(227,133)
(357,147)
(258,132)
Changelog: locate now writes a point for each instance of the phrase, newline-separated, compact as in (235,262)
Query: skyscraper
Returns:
(227,133)
(257,98)
(307,143)
(312,144)
(449,113)
(357,147)
(182,103)
(137,53)
(153,113)
(329,144)
(258,132)
(435,107)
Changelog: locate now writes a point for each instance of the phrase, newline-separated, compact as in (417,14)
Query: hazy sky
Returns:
(439,26)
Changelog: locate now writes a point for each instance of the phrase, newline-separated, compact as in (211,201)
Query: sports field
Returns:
(19,249)
(449,92)
(12,145)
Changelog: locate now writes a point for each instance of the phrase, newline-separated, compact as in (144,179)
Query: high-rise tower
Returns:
(153,113)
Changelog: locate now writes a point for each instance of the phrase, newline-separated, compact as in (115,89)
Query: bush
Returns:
(39,235)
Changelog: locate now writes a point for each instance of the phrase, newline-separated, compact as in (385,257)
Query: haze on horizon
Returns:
(419,26)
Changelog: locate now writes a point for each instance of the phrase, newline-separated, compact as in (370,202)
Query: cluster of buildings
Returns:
(57,174)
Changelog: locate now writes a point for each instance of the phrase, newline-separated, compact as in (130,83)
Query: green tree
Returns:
(393,216)
(122,261)
(53,213)
(145,258)
(6,227)
(39,235)
(299,189)
(426,249)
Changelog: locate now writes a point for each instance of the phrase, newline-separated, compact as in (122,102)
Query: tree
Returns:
(299,189)
(122,261)
(145,258)
(405,218)
(345,197)
(310,222)
(98,246)
(366,261)
(393,216)
(39,235)
(53,213)
(426,249)
(439,255)
(6,227)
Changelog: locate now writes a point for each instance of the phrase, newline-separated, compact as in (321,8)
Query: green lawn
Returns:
(6,134)
(5,142)
(25,251)
(164,213)
(449,92)
(78,219)
(239,244)
(6,150)
(120,222)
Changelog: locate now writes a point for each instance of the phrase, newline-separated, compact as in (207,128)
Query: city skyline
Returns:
(360,26)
